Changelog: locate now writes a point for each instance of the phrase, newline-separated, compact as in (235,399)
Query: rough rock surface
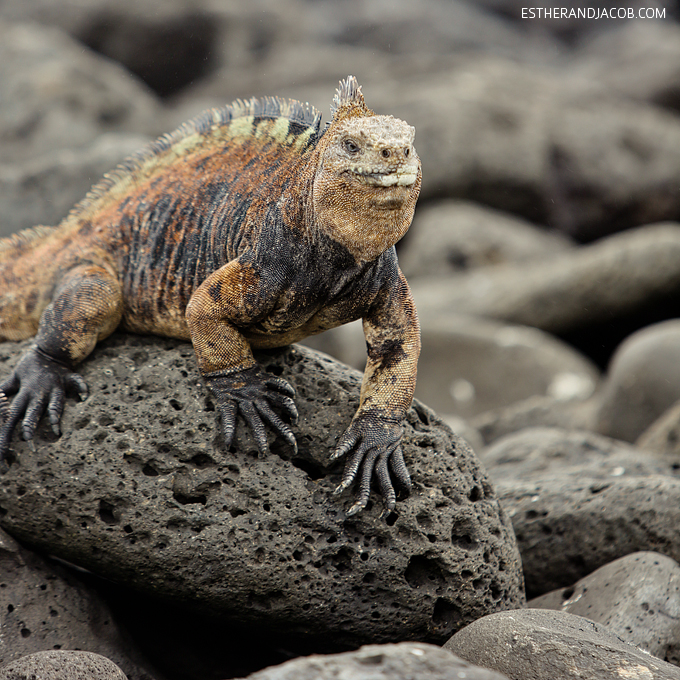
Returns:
(614,277)
(567,527)
(453,236)
(42,191)
(45,607)
(637,597)
(56,94)
(642,382)
(551,645)
(139,490)
(403,661)
(62,665)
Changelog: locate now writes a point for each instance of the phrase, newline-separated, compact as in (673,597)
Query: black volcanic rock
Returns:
(139,490)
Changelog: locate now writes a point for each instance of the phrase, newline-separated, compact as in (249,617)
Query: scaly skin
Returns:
(248,227)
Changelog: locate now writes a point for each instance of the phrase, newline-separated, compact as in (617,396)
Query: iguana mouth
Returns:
(402,178)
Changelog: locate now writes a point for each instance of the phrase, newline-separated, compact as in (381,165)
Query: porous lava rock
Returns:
(62,665)
(403,661)
(637,597)
(552,645)
(140,490)
(46,607)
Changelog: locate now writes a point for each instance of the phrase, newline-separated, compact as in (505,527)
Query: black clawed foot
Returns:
(374,445)
(39,384)
(253,393)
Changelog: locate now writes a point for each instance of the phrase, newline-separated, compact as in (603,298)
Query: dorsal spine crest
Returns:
(348,101)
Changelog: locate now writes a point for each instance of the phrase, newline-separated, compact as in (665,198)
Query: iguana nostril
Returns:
(386,153)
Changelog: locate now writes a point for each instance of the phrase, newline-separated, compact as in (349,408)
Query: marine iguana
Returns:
(250,226)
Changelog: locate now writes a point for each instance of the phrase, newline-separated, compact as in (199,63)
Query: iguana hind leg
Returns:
(86,307)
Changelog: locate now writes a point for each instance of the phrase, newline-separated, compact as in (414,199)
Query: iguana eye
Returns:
(350,146)
(407,151)
(386,153)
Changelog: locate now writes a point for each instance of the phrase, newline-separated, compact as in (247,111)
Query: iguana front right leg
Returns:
(235,296)
(86,307)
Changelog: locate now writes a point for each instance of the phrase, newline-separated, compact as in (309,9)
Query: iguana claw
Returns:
(252,393)
(375,442)
(39,383)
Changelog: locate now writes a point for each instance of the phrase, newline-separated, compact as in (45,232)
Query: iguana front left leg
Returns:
(86,307)
(235,296)
(374,435)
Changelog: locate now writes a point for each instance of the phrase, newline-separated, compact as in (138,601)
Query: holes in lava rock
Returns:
(202,460)
(189,498)
(81,423)
(106,513)
(342,560)
(463,534)
(150,471)
(423,572)
(236,512)
(567,593)
(176,404)
(475,494)
(311,469)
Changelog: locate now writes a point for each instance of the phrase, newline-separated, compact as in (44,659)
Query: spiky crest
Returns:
(210,124)
(349,101)
(24,238)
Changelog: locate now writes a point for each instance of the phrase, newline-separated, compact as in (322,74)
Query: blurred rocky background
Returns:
(544,258)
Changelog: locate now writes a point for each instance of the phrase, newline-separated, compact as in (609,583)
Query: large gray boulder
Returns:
(611,279)
(62,665)
(403,661)
(642,382)
(57,94)
(46,607)
(550,645)
(637,597)
(140,490)
(569,525)
(448,237)
(43,190)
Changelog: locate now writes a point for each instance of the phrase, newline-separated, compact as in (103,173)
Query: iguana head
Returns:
(368,176)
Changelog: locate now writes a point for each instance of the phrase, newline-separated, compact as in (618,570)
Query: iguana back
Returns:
(166,217)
